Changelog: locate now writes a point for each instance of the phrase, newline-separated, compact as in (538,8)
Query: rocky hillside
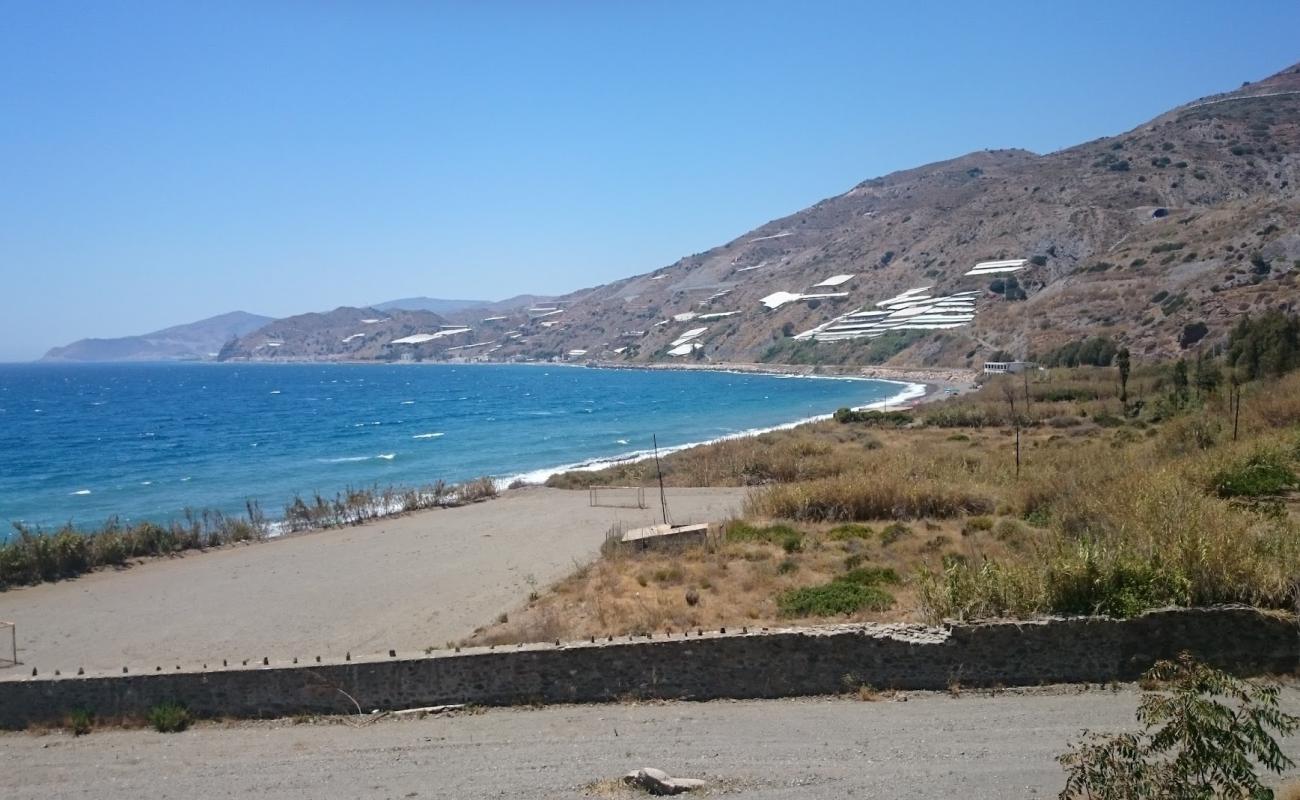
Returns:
(351,334)
(1160,237)
(196,340)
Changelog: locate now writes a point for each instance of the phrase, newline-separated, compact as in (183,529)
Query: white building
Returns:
(1007,367)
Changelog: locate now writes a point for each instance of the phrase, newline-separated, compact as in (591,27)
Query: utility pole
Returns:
(663,498)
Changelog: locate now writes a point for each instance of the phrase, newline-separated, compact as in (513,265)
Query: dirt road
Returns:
(929,747)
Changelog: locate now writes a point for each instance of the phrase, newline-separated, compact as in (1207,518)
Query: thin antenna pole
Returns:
(663,499)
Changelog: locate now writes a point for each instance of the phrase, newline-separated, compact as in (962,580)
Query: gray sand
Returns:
(406,583)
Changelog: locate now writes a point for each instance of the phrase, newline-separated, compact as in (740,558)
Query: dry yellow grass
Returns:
(1108,513)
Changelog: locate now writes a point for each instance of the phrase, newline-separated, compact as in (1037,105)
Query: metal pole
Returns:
(663,499)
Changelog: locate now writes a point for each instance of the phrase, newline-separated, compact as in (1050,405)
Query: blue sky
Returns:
(163,162)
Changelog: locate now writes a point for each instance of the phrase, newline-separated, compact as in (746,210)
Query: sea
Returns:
(81,444)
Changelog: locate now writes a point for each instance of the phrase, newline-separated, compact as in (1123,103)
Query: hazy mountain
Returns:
(195,340)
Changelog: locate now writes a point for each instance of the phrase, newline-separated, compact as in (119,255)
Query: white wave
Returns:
(183,480)
(910,391)
(343,459)
(426,436)
(407,403)
(275,391)
(387,456)
(146,483)
(82,491)
(621,441)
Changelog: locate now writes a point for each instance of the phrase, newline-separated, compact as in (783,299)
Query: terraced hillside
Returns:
(1160,237)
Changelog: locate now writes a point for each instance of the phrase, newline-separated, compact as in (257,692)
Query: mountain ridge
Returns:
(188,341)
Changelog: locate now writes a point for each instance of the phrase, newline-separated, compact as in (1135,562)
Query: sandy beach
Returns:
(405,583)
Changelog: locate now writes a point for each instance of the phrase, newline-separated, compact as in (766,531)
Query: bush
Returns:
(837,598)
(871,576)
(741,531)
(1089,585)
(894,419)
(1203,733)
(850,531)
(1265,345)
(1263,473)
(893,532)
(80,721)
(977,524)
(169,718)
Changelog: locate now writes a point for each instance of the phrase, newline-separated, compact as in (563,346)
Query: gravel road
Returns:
(931,746)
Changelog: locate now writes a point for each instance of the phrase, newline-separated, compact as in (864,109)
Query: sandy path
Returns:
(932,746)
(406,583)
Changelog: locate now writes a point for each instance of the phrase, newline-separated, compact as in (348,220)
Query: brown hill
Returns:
(348,334)
(1160,237)
(1186,221)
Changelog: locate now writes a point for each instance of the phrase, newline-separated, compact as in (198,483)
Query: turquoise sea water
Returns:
(87,442)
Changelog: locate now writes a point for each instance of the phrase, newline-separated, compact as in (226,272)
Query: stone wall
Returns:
(730,664)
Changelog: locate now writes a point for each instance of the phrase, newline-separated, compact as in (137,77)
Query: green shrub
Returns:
(169,717)
(80,721)
(741,531)
(871,576)
(959,416)
(894,419)
(1263,473)
(893,532)
(792,543)
(787,566)
(853,562)
(1118,588)
(855,531)
(1203,733)
(837,598)
(977,524)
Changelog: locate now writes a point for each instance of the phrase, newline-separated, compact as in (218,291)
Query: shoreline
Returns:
(916,386)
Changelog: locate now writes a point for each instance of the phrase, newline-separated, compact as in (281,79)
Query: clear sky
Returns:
(165,161)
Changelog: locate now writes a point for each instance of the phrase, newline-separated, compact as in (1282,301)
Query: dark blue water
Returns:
(83,443)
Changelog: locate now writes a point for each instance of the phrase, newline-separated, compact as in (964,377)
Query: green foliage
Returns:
(850,531)
(977,524)
(80,721)
(959,416)
(1097,351)
(169,717)
(741,531)
(1267,345)
(1203,733)
(893,532)
(792,543)
(894,419)
(787,566)
(1263,473)
(855,591)
(1115,587)
(871,576)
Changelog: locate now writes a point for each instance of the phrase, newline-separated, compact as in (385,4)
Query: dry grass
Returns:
(1110,513)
